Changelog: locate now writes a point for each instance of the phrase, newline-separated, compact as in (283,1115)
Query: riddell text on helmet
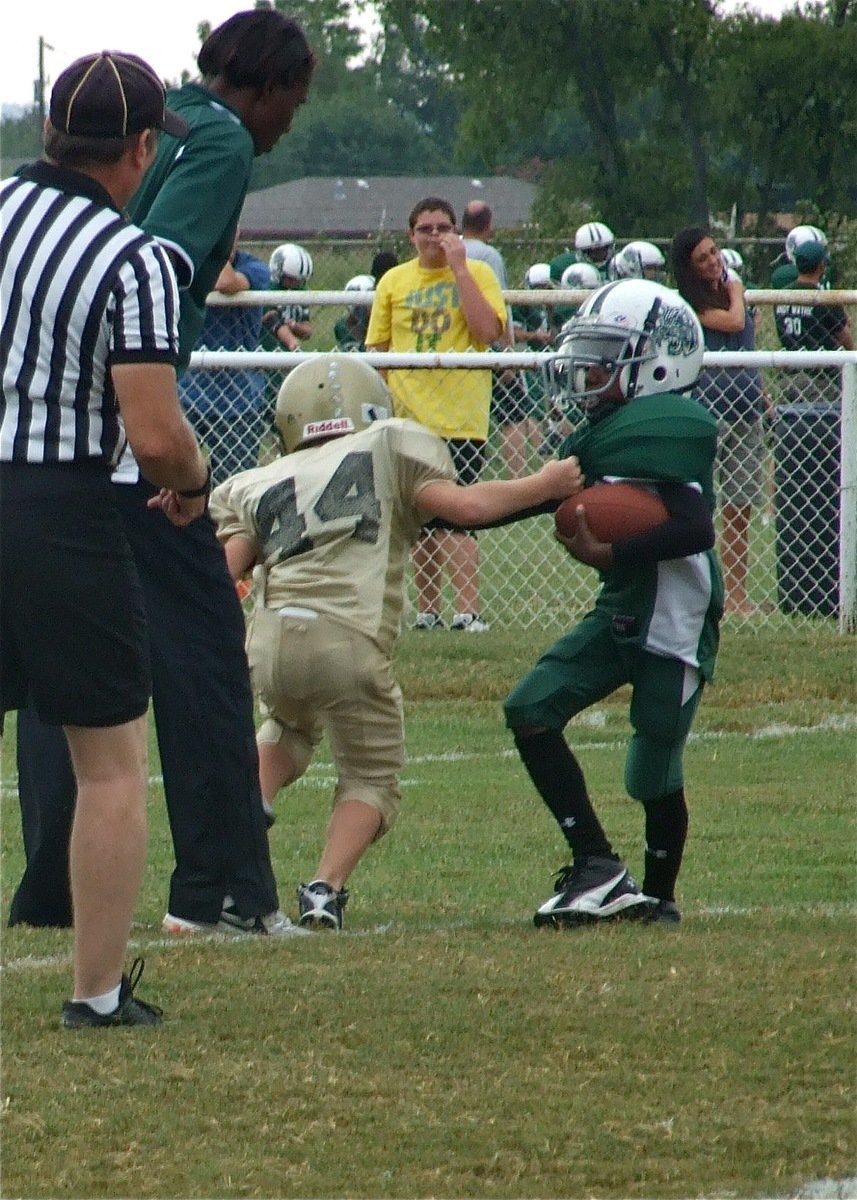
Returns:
(335,425)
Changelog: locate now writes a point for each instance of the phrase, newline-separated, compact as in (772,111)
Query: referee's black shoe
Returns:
(76,1014)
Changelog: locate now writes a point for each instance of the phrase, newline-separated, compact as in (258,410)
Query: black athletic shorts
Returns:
(73,634)
(468,458)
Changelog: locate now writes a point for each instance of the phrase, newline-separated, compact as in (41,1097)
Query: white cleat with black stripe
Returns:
(594,888)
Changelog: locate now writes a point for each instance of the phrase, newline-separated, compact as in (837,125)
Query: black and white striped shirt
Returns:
(80,289)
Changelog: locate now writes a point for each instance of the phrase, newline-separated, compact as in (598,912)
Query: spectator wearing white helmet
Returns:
(518,414)
(638,260)
(578,277)
(785,271)
(532,324)
(286,326)
(535,327)
(291,270)
(594,243)
(350,330)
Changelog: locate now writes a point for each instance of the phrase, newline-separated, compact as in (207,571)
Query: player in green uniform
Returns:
(328,528)
(808,326)
(350,330)
(632,349)
(594,243)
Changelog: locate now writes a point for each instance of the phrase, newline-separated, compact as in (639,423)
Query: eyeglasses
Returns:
(432,229)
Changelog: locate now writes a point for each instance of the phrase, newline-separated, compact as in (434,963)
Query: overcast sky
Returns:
(161,31)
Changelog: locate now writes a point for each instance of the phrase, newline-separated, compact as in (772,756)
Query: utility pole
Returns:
(39,85)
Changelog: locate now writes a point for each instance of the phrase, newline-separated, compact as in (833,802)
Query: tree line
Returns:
(647,114)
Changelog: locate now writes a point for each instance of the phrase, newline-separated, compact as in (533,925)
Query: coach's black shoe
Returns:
(596,888)
(320,906)
(76,1014)
(665,912)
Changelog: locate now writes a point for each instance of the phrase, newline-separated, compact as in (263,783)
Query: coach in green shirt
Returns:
(255,75)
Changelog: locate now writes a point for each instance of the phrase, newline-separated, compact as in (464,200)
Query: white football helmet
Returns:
(732,260)
(801,234)
(582,276)
(539,276)
(645,334)
(290,260)
(594,242)
(328,396)
(360,283)
(638,260)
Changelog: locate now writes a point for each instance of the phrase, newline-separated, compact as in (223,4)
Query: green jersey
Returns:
(191,199)
(674,606)
(560,262)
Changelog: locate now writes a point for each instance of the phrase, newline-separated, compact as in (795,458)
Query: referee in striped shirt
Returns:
(89,345)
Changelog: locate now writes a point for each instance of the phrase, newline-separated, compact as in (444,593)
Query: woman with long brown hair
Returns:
(734,396)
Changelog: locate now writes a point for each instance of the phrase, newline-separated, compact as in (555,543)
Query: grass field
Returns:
(441,1046)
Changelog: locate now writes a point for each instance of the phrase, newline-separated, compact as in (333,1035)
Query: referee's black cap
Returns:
(112,94)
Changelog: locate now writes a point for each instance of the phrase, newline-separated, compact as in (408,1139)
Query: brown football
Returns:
(613,511)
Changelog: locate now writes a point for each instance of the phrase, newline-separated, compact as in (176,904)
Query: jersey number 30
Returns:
(350,492)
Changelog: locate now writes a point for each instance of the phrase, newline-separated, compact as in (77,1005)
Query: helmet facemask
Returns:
(618,351)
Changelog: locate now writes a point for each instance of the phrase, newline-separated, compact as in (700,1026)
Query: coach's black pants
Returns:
(203,707)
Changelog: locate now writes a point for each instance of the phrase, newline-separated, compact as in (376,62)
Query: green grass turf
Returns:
(442,1046)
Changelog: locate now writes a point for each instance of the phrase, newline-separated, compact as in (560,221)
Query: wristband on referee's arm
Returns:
(196,493)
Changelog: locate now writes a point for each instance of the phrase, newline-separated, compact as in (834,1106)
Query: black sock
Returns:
(666,833)
(560,783)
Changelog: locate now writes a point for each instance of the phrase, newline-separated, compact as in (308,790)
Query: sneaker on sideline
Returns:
(471,622)
(320,905)
(596,888)
(76,1014)
(275,924)
(428,620)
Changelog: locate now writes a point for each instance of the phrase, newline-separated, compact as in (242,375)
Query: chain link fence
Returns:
(796,490)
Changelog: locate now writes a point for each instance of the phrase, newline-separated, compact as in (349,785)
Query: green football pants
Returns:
(586,665)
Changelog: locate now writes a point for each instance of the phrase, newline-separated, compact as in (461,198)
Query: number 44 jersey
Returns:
(334,523)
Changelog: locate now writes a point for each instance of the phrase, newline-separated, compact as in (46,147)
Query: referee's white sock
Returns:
(104,1004)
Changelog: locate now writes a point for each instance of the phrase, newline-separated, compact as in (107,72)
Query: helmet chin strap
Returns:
(606,408)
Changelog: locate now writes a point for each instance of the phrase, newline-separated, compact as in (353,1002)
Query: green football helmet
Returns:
(329,396)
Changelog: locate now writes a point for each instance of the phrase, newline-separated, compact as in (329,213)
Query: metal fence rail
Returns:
(803,529)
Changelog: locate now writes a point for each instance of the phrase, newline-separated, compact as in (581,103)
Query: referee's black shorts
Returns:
(73,634)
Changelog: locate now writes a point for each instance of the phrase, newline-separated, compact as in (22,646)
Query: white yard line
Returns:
(837,723)
(32,962)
